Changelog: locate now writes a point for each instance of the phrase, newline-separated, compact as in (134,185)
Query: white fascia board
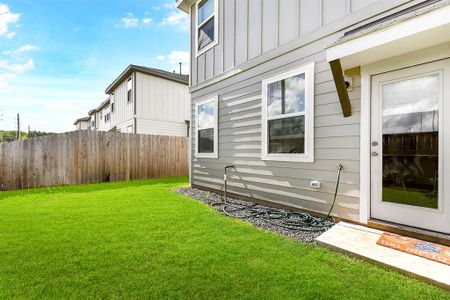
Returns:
(418,33)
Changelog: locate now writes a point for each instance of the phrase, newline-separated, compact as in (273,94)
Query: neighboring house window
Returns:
(129,90)
(107,117)
(288,115)
(207,128)
(130,129)
(206,25)
(112,102)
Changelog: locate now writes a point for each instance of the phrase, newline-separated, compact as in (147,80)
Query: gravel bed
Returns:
(308,235)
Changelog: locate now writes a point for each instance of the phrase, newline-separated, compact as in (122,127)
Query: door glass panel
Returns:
(411,141)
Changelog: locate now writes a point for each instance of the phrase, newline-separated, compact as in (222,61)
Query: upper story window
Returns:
(112,103)
(288,116)
(206,25)
(206,128)
(129,90)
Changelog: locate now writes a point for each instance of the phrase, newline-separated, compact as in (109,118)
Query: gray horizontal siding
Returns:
(336,140)
(283,196)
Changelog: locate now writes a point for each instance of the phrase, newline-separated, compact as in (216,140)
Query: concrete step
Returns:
(361,241)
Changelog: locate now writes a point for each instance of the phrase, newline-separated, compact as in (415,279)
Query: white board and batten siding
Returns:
(102,124)
(249,28)
(268,25)
(163,106)
(123,115)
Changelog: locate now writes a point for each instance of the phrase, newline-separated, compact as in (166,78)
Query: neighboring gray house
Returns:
(150,101)
(82,123)
(285,90)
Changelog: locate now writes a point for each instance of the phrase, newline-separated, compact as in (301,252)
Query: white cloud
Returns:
(10,70)
(7,18)
(174,58)
(177,18)
(22,49)
(4,79)
(130,21)
(147,21)
(178,56)
(64,99)
(170,5)
(10,35)
(17,68)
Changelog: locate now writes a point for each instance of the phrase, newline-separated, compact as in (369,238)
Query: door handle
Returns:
(374,153)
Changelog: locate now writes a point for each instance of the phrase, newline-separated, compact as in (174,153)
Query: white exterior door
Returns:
(410,146)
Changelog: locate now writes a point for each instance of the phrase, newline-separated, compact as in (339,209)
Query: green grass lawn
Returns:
(141,240)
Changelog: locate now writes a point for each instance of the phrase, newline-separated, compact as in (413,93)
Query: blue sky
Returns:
(58,56)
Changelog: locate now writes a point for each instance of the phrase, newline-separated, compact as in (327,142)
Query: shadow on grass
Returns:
(96,187)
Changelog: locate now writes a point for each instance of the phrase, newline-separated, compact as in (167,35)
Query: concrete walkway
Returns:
(361,241)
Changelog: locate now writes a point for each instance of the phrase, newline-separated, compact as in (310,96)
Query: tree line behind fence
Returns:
(83,157)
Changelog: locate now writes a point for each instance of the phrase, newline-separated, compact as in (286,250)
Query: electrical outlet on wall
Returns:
(315,184)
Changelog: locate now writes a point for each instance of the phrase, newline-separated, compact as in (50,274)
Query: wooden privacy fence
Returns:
(82,157)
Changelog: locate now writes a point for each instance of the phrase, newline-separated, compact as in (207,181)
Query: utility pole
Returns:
(18,127)
(29,130)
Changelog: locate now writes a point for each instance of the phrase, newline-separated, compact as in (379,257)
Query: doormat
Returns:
(416,247)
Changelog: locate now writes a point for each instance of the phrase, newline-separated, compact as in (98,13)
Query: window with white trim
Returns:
(206,25)
(112,103)
(288,115)
(206,141)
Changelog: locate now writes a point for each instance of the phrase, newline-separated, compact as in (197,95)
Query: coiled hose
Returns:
(286,219)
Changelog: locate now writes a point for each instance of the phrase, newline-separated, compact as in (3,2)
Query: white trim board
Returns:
(213,43)
(308,113)
(215,153)
(418,33)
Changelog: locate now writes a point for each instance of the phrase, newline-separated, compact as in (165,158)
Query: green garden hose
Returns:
(279,217)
